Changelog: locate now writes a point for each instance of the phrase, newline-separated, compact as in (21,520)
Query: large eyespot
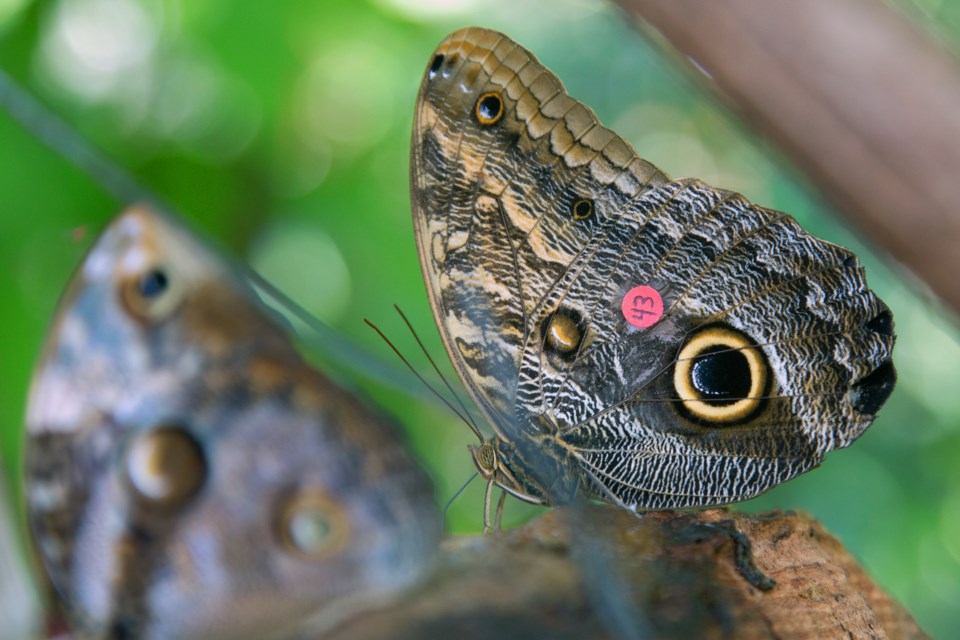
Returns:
(721,376)
(489,109)
(150,295)
(563,332)
(313,525)
(582,209)
(166,466)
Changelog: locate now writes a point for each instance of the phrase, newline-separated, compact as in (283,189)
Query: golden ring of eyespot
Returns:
(314,526)
(166,466)
(489,108)
(150,295)
(719,340)
(582,209)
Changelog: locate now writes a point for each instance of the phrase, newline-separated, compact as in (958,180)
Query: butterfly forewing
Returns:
(536,225)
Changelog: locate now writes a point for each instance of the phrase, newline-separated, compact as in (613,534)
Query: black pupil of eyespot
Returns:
(153,283)
(489,107)
(721,375)
(582,209)
(435,65)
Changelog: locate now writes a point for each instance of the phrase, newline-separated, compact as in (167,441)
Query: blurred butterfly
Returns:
(650,342)
(188,475)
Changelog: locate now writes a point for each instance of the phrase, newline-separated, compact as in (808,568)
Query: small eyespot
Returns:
(582,209)
(166,466)
(563,333)
(869,393)
(882,323)
(151,295)
(313,525)
(489,109)
(721,376)
(435,65)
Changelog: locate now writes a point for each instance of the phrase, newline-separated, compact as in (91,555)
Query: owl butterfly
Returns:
(189,475)
(651,342)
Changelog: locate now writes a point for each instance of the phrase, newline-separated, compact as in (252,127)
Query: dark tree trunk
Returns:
(856,96)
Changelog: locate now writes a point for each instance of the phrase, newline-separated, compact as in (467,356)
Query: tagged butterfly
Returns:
(651,342)
(188,475)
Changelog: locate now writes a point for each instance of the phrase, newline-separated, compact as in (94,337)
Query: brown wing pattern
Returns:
(486,260)
(534,221)
(188,475)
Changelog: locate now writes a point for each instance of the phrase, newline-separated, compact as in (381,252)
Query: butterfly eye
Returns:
(151,295)
(313,525)
(489,109)
(720,375)
(166,466)
(485,458)
(582,209)
(563,333)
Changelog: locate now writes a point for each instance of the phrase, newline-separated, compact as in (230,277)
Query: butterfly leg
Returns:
(499,515)
(488,503)
(487,495)
(742,554)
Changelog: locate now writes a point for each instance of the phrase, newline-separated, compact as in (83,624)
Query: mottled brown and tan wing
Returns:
(535,223)
(188,475)
(482,196)
(778,325)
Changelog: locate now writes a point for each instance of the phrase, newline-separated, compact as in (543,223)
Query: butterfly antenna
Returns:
(433,364)
(456,494)
(449,405)
(54,132)
(334,345)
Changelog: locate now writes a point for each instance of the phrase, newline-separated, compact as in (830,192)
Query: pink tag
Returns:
(642,306)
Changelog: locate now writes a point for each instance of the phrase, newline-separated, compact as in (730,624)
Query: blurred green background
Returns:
(282,129)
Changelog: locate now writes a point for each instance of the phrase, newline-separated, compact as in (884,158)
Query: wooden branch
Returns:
(856,96)
(677,572)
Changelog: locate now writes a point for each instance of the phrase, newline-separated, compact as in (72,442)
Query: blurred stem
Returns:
(856,96)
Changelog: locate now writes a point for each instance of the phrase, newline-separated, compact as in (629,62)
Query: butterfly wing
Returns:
(820,339)
(479,192)
(188,475)
(534,223)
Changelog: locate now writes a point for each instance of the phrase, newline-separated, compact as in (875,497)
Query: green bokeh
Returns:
(282,128)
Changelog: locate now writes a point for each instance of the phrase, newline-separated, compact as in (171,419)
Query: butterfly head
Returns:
(497,463)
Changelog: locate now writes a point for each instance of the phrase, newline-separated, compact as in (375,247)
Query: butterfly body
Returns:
(653,342)
(188,474)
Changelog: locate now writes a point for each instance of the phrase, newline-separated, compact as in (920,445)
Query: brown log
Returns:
(856,96)
(678,571)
